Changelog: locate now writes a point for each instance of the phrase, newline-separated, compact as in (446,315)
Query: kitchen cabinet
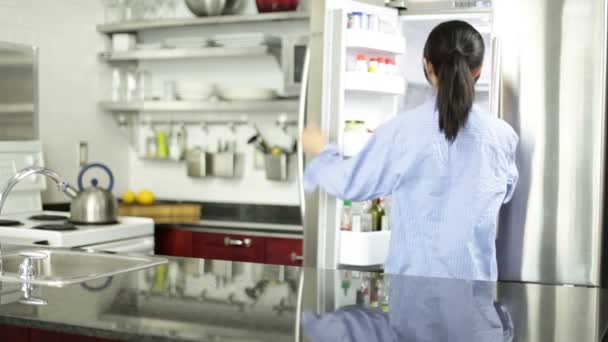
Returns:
(226,246)
(14,333)
(22,334)
(282,251)
(173,242)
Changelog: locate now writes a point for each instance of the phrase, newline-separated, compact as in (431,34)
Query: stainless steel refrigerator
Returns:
(552,90)
(545,74)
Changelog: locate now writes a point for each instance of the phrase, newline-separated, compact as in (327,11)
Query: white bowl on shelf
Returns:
(194,90)
(247,94)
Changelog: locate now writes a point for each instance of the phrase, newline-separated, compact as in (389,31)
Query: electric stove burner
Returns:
(10,223)
(56,227)
(46,217)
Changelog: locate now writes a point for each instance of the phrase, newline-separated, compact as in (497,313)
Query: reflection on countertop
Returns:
(210,300)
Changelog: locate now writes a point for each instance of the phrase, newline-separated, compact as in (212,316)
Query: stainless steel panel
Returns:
(552,91)
(556,314)
(18,92)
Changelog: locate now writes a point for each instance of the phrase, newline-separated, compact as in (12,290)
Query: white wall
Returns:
(169,180)
(72,80)
(64,31)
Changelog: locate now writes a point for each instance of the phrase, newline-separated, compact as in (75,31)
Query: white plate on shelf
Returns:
(247,94)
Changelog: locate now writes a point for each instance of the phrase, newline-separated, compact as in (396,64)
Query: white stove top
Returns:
(84,235)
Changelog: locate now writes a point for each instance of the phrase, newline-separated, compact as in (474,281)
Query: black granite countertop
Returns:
(209,300)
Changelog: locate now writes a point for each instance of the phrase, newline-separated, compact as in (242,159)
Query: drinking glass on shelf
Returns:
(143,82)
(130,85)
(166,8)
(113,11)
(118,84)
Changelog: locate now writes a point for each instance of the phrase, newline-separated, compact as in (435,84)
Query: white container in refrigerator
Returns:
(363,248)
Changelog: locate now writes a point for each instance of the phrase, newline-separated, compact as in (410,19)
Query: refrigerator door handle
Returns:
(301,126)
(495,82)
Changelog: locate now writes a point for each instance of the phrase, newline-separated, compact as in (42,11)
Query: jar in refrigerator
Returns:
(361,63)
(356,19)
(366,217)
(392,66)
(372,66)
(349,21)
(382,66)
(373,22)
(355,137)
(346,222)
(364,21)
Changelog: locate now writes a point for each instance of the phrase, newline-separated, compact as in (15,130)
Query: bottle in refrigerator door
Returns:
(346,222)
(377,213)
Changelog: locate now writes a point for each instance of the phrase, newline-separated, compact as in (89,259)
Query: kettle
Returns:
(93,205)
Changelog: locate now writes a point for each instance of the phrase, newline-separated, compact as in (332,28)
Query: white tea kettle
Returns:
(94,205)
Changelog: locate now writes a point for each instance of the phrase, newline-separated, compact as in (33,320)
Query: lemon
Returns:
(128,197)
(145,197)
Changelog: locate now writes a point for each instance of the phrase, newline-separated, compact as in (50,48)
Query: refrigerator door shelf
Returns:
(364,249)
(374,82)
(375,42)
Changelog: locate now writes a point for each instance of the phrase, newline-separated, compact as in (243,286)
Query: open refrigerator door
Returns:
(360,69)
(355,85)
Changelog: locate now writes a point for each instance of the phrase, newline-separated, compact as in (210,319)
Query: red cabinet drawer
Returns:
(281,251)
(173,242)
(228,247)
(13,333)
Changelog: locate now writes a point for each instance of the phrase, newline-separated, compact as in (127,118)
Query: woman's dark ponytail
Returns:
(454,49)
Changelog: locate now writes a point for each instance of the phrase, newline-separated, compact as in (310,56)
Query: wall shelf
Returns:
(135,26)
(375,42)
(271,106)
(164,54)
(374,82)
(16,108)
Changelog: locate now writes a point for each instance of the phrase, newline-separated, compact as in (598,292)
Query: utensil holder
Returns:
(279,167)
(197,162)
(225,165)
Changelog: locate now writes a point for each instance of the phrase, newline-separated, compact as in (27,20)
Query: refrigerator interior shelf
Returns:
(374,82)
(203,52)
(271,106)
(364,249)
(375,42)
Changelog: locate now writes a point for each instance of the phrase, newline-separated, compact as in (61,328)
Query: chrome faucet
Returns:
(62,186)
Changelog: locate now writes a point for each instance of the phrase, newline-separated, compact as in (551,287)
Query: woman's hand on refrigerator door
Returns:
(313,140)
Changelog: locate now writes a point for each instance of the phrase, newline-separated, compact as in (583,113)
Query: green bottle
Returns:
(377,214)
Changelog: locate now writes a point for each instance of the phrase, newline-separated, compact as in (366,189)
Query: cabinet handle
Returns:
(235,242)
(295,257)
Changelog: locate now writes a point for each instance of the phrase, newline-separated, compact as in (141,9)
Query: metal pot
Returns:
(93,205)
(204,8)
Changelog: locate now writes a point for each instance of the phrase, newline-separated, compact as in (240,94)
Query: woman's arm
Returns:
(370,174)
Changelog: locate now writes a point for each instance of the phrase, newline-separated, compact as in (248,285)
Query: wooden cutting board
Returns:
(163,213)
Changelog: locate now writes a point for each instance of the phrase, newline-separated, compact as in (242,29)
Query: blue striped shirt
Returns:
(445,196)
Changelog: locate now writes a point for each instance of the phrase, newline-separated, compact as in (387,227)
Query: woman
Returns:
(447,165)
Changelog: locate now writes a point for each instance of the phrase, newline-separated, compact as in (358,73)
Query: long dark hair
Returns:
(454,49)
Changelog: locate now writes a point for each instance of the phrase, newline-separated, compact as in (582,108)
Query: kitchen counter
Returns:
(208,300)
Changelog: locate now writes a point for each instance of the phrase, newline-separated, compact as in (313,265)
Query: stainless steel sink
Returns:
(64,267)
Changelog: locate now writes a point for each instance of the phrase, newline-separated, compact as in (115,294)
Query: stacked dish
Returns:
(247,94)
(239,40)
(186,42)
(193,90)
